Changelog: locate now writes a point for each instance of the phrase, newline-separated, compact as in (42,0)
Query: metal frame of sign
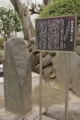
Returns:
(65,51)
(67,80)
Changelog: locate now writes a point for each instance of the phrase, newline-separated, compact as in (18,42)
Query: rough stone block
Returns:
(62,65)
(47,71)
(68,68)
(17,77)
(46,60)
(58,112)
(75,73)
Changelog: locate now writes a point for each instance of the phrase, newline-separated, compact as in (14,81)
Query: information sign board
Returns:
(56,33)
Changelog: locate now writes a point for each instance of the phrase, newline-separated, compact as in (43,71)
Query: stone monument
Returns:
(17,77)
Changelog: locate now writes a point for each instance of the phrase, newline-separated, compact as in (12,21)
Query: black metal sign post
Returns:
(56,34)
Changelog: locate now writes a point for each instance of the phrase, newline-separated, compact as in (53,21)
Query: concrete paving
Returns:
(45,118)
(32,115)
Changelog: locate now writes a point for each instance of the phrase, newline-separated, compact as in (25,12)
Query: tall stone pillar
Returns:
(17,77)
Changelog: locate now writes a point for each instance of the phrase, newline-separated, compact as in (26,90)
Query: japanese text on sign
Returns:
(56,33)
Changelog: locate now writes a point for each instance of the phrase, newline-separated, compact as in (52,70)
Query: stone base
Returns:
(33,114)
(58,111)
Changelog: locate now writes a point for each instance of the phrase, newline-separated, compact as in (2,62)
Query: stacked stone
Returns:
(47,68)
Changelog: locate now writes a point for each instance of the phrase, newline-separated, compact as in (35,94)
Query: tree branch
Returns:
(24,15)
(36,9)
(17,5)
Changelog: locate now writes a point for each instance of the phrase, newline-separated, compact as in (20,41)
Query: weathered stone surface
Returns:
(45,118)
(53,75)
(68,68)
(20,118)
(52,53)
(31,115)
(35,52)
(47,71)
(38,54)
(78,49)
(44,54)
(37,68)
(78,39)
(33,40)
(32,62)
(47,60)
(58,112)
(31,48)
(17,77)
(75,73)
(62,63)
(37,59)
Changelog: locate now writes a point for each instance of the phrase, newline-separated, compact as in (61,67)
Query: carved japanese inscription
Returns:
(17,77)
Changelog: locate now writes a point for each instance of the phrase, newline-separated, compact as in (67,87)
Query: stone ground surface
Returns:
(45,118)
(51,94)
(32,115)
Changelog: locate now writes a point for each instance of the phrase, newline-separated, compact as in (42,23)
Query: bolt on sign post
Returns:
(56,34)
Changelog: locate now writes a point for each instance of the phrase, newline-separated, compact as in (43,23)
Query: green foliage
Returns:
(2,40)
(62,7)
(1,55)
(9,22)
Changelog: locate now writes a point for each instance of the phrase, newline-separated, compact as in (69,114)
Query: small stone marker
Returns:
(17,77)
